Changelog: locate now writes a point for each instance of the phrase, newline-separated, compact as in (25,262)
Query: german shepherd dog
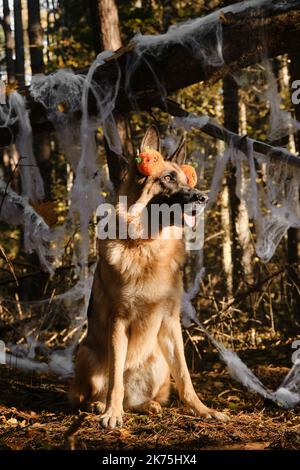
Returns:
(134,339)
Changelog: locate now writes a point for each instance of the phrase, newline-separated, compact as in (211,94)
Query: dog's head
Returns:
(168,183)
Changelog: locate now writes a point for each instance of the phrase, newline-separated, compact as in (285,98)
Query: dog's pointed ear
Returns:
(151,139)
(118,166)
(179,155)
(123,171)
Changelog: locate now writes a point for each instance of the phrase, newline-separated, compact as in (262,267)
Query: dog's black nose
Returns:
(197,196)
(202,198)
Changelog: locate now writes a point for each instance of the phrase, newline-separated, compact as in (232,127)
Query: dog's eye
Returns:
(168,178)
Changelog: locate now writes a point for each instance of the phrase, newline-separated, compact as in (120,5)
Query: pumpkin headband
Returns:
(150,161)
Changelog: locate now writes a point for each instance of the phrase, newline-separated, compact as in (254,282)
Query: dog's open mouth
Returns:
(185,209)
(190,214)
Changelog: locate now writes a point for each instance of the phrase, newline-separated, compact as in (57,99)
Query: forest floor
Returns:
(34,414)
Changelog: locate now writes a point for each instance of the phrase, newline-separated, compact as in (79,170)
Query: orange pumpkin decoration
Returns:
(149,162)
(191,174)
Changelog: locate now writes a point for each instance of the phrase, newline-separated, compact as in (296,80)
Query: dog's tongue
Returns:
(189,219)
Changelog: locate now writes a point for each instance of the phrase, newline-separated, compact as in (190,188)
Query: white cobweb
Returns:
(273,204)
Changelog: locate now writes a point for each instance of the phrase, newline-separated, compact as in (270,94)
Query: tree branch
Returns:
(248,32)
(241,142)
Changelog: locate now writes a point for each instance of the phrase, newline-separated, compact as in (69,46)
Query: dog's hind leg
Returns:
(163,393)
(148,408)
(95,407)
(147,387)
(90,380)
(155,406)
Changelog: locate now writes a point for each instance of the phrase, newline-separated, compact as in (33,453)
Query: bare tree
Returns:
(231,122)
(294,233)
(107,34)
(242,223)
(35,32)
(108,18)
(227,259)
(41,141)
(19,43)
(9,45)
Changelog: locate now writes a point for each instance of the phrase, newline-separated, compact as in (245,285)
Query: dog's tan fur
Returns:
(134,338)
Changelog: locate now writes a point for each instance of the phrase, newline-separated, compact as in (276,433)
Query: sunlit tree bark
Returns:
(231,122)
(108,20)
(106,27)
(242,223)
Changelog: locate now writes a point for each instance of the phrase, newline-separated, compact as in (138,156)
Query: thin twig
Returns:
(10,265)
(9,181)
(69,437)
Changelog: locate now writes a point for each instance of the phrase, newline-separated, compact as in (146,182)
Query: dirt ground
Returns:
(34,414)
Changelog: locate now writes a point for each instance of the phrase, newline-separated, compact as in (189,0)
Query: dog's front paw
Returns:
(219,416)
(111,418)
(210,413)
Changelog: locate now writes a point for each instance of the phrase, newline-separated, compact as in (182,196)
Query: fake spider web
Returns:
(273,204)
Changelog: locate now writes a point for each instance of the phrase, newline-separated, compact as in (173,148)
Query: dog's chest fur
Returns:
(147,271)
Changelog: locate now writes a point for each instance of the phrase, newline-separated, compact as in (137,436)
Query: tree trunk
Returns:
(41,141)
(9,45)
(42,147)
(227,259)
(105,24)
(35,32)
(19,43)
(96,26)
(169,10)
(224,213)
(242,224)
(107,36)
(294,233)
(109,23)
(231,122)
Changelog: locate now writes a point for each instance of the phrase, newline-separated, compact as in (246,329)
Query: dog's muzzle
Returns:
(199,197)
(187,196)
